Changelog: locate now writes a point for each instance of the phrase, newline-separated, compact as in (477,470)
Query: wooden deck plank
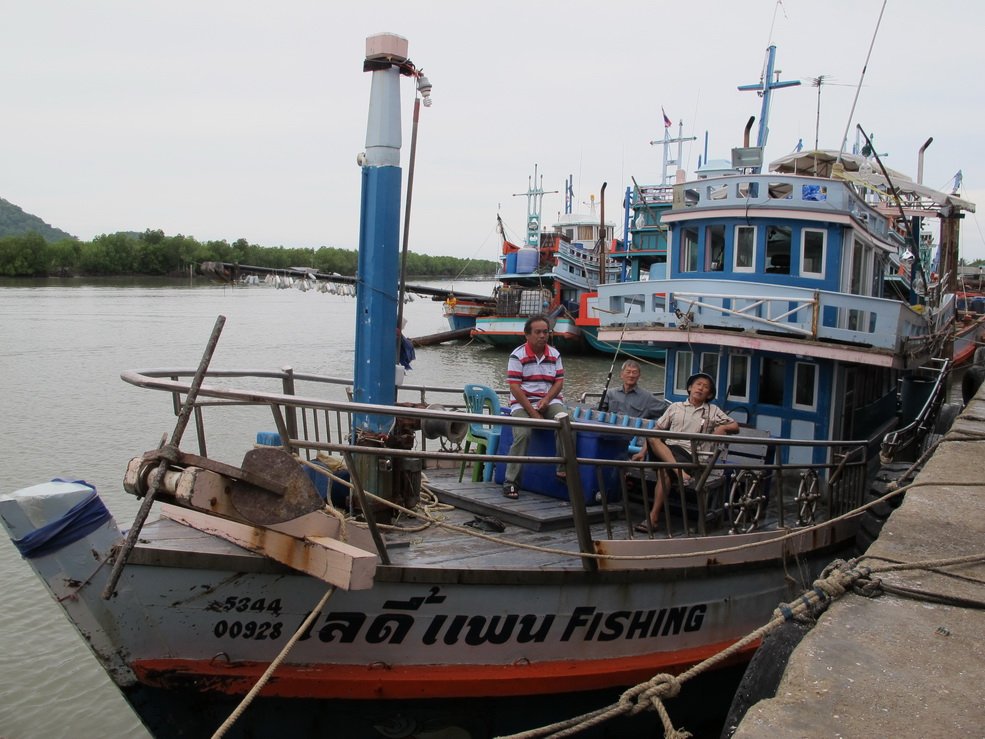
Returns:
(530,511)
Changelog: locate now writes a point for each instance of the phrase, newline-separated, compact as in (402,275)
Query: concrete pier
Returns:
(894,665)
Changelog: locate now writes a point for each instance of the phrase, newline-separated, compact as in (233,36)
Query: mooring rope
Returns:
(268,673)
(838,578)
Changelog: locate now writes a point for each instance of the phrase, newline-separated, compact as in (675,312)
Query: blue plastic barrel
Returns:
(511,263)
(526,260)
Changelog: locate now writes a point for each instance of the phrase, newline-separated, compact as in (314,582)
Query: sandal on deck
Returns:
(641,527)
(511,491)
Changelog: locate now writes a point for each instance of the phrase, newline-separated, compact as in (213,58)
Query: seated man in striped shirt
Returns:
(535,376)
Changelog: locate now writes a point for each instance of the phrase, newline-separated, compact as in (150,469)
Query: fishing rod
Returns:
(858,89)
(603,405)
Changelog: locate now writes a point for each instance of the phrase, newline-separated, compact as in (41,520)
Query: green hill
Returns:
(15,222)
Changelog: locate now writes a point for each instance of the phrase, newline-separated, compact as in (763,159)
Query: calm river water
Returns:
(67,414)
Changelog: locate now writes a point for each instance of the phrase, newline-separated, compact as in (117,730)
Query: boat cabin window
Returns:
(858,281)
(780,190)
(714,248)
(881,262)
(805,386)
(771,381)
(738,377)
(778,239)
(682,370)
(689,250)
(744,259)
(709,364)
(812,247)
(586,233)
(860,266)
(569,233)
(747,190)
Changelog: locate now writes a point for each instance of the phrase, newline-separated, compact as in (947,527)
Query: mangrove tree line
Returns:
(154,253)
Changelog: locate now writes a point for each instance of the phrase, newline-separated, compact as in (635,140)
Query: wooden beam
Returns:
(333,561)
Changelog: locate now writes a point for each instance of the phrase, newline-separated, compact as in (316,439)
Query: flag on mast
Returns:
(666,119)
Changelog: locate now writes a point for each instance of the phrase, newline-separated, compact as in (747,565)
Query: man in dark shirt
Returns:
(631,399)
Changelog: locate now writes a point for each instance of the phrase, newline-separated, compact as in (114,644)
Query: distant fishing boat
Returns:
(461,312)
(548,273)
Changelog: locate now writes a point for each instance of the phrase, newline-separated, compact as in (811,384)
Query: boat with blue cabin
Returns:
(782,285)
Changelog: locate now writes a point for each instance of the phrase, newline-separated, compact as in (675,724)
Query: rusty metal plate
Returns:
(295,494)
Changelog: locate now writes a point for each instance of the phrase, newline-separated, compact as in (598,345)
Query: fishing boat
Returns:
(549,272)
(461,312)
(643,255)
(344,578)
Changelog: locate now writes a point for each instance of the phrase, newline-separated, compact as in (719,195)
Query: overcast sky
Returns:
(226,120)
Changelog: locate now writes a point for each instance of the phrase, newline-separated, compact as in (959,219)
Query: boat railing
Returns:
(754,306)
(934,377)
(301,419)
(646,195)
(777,192)
(804,493)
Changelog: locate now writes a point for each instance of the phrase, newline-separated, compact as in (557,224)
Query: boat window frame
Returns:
(798,365)
(804,272)
(856,281)
(710,363)
(735,248)
(689,259)
(711,230)
(785,242)
(683,362)
(765,362)
(735,359)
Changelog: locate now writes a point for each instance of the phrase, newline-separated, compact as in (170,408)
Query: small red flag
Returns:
(666,119)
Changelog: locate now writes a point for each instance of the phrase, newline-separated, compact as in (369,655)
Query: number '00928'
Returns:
(247,630)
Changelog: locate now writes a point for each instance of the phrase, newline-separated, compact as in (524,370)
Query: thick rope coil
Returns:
(836,579)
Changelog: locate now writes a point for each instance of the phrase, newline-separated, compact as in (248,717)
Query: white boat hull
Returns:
(195,613)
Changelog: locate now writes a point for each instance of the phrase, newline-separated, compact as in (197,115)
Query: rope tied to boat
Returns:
(836,579)
(650,696)
(269,672)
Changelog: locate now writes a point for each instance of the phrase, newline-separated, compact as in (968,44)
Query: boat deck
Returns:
(535,521)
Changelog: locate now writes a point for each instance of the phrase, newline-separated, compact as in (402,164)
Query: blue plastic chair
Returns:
(485,436)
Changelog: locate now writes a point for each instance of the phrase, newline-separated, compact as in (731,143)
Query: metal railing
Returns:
(307,425)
